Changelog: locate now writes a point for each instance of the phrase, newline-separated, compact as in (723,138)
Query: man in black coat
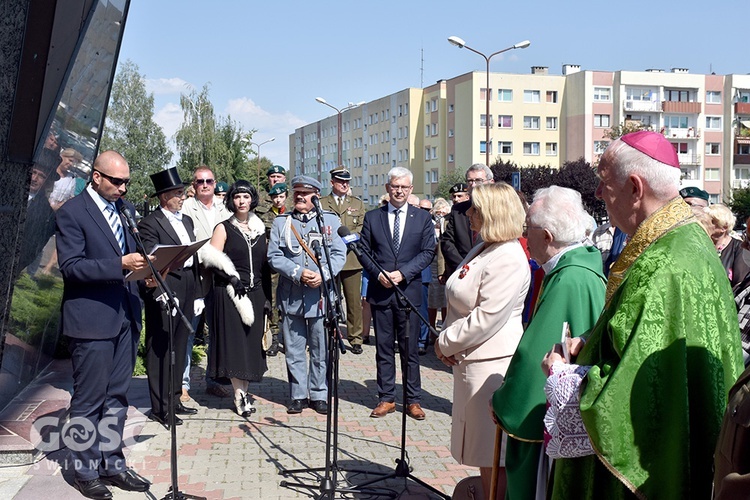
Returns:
(458,238)
(168,226)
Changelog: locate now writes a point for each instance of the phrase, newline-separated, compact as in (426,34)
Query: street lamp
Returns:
(458,42)
(338,112)
(257,168)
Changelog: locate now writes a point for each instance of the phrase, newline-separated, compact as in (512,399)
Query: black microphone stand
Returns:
(169,305)
(403,469)
(334,314)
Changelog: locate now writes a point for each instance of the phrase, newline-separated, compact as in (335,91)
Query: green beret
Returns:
(278,189)
(693,192)
(276,169)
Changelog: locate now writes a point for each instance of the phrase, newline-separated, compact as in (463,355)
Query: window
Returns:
(677,95)
(434,177)
(450,133)
(600,146)
(426,177)
(434,153)
(743,149)
(483,121)
(400,109)
(638,94)
(713,122)
(602,94)
(531,148)
(531,122)
(406,108)
(551,123)
(551,96)
(427,131)
(434,129)
(713,97)
(433,103)
(551,149)
(505,121)
(483,147)
(675,121)
(450,108)
(505,95)
(712,174)
(506,147)
(681,148)
(483,94)
(531,96)
(450,158)
(713,148)
(601,121)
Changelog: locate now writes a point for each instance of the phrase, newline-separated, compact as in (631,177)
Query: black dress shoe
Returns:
(356,349)
(94,488)
(181,409)
(320,406)
(366,340)
(422,351)
(297,406)
(163,420)
(127,480)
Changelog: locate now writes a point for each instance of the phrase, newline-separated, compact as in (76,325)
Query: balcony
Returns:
(643,106)
(681,107)
(741,160)
(740,184)
(689,159)
(681,133)
(742,108)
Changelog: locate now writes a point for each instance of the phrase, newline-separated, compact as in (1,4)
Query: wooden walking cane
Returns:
(496,461)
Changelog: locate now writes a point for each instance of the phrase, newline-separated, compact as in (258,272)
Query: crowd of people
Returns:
(640,325)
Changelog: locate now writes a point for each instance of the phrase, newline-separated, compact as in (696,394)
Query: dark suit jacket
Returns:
(96,297)
(416,252)
(456,240)
(155,229)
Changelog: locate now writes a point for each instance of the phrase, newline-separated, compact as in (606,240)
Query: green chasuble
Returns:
(664,354)
(573,291)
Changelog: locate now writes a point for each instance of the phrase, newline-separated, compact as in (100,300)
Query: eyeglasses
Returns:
(526,227)
(476,181)
(116,181)
(399,188)
(210,182)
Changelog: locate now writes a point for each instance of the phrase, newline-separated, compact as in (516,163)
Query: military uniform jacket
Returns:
(287,257)
(352,213)
(264,210)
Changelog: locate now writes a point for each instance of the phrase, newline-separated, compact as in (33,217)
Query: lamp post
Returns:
(338,125)
(257,167)
(458,42)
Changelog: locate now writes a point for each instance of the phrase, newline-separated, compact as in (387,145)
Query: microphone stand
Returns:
(169,305)
(403,469)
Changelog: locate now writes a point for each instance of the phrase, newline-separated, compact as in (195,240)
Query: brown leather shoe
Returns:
(383,409)
(415,411)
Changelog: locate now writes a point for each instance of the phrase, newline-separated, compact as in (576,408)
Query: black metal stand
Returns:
(169,305)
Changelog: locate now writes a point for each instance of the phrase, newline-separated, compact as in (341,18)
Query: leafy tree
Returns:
(625,128)
(502,170)
(580,175)
(740,204)
(447,182)
(130,130)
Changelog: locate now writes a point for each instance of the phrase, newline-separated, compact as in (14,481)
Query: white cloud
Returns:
(169,118)
(160,86)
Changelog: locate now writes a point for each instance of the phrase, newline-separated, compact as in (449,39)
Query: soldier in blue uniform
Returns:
(299,294)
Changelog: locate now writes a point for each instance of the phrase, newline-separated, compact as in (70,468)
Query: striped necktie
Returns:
(396,232)
(116,225)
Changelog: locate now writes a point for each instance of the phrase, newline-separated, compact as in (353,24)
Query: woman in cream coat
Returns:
(484,321)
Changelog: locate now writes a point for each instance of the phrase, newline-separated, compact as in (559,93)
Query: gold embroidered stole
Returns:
(674,214)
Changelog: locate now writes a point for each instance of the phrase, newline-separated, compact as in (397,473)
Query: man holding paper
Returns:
(168,226)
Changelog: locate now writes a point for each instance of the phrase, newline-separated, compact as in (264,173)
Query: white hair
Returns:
(663,179)
(480,167)
(560,211)
(399,172)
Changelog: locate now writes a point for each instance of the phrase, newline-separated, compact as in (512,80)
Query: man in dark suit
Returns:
(402,239)
(101,315)
(168,226)
(458,237)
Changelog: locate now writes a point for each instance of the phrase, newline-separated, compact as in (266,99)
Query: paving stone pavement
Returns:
(224,456)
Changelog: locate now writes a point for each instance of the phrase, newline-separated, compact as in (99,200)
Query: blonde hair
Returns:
(721,216)
(501,211)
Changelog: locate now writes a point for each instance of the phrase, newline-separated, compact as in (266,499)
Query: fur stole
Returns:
(211,257)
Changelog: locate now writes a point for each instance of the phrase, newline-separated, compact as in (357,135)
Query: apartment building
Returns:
(535,119)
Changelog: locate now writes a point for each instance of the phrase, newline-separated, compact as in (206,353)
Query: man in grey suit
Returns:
(101,316)
(402,239)
(291,253)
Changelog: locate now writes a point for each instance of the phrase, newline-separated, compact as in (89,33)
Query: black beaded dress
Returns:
(235,350)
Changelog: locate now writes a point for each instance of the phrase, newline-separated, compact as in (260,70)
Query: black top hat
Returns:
(166,180)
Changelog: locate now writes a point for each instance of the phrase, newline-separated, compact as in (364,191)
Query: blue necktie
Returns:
(116,224)
(396,232)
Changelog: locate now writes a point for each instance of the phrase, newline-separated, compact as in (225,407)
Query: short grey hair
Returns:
(560,211)
(398,172)
(480,166)
(663,179)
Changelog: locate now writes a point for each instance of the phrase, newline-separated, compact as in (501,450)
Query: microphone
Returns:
(350,240)
(125,212)
(316,203)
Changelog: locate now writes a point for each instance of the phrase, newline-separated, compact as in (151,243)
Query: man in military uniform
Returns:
(220,191)
(292,253)
(275,175)
(459,192)
(278,195)
(350,210)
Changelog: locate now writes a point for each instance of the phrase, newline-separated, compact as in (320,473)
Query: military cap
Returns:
(276,169)
(221,187)
(341,174)
(305,182)
(693,192)
(461,187)
(278,188)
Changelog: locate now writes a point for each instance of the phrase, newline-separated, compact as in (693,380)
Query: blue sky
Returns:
(266,62)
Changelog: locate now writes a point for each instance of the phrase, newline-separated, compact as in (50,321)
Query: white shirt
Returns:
(401,220)
(176,221)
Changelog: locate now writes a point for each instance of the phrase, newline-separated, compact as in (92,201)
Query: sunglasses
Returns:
(210,182)
(116,181)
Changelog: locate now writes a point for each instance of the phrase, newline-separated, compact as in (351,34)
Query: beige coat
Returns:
(485,304)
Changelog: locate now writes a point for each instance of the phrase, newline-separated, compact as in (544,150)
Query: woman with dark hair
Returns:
(240,294)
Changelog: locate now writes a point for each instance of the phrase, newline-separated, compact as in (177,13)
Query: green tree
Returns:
(625,128)
(580,175)
(740,204)
(130,129)
(447,181)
